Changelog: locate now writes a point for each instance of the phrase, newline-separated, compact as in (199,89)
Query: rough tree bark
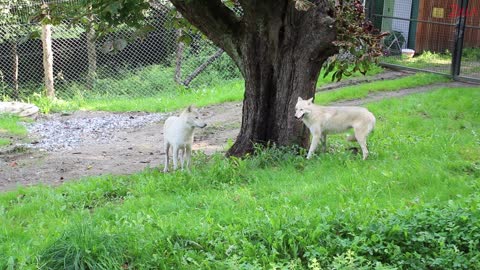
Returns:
(279,51)
(48,59)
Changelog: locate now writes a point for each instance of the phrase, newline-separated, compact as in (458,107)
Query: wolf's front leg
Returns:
(167,147)
(313,145)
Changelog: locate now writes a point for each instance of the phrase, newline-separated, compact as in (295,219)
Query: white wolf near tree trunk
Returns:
(323,120)
(178,133)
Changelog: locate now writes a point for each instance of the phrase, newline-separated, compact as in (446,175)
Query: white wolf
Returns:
(178,133)
(323,120)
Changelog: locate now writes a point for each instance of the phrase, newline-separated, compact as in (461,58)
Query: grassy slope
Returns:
(227,213)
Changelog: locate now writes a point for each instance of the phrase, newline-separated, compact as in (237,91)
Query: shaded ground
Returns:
(132,149)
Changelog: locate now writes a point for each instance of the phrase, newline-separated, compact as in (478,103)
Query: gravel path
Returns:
(66,133)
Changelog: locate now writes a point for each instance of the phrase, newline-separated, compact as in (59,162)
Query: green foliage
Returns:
(471,54)
(414,204)
(48,105)
(324,78)
(358,46)
(14,15)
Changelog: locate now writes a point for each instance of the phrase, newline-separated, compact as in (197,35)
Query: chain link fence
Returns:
(441,36)
(108,67)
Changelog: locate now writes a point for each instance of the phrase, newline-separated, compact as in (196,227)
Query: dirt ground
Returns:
(132,150)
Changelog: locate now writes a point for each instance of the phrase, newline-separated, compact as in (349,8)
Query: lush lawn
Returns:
(227,91)
(169,101)
(362,90)
(10,126)
(413,204)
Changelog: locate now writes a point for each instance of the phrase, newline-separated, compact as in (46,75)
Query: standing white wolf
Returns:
(323,120)
(178,133)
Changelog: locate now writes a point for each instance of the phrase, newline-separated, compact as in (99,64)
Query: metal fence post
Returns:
(459,36)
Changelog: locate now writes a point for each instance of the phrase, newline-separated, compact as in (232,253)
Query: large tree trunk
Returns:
(48,59)
(279,50)
(282,58)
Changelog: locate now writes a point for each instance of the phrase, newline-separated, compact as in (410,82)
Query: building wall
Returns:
(440,37)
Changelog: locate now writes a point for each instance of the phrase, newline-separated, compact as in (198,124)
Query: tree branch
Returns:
(216,21)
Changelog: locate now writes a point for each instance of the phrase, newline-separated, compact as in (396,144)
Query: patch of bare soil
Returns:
(127,151)
(132,149)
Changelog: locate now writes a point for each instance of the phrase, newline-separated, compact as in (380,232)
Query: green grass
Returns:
(228,91)
(439,62)
(413,204)
(10,126)
(362,90)
(133,92)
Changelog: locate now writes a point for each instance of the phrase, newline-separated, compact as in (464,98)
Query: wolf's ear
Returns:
(189,109)
(310,101)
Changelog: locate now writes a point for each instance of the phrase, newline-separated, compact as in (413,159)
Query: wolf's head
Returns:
(303,107)
(193,117)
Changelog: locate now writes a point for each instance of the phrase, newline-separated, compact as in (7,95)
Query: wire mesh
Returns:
(422,34)
(470,66)
(84,68)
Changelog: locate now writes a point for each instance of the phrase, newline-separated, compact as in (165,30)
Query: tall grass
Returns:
(412,205)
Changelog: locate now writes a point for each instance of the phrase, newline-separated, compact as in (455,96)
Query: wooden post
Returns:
(178,62)
(91,53)
(48,59)
(16,94)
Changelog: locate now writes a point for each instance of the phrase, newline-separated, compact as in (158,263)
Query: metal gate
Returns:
(440,36)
